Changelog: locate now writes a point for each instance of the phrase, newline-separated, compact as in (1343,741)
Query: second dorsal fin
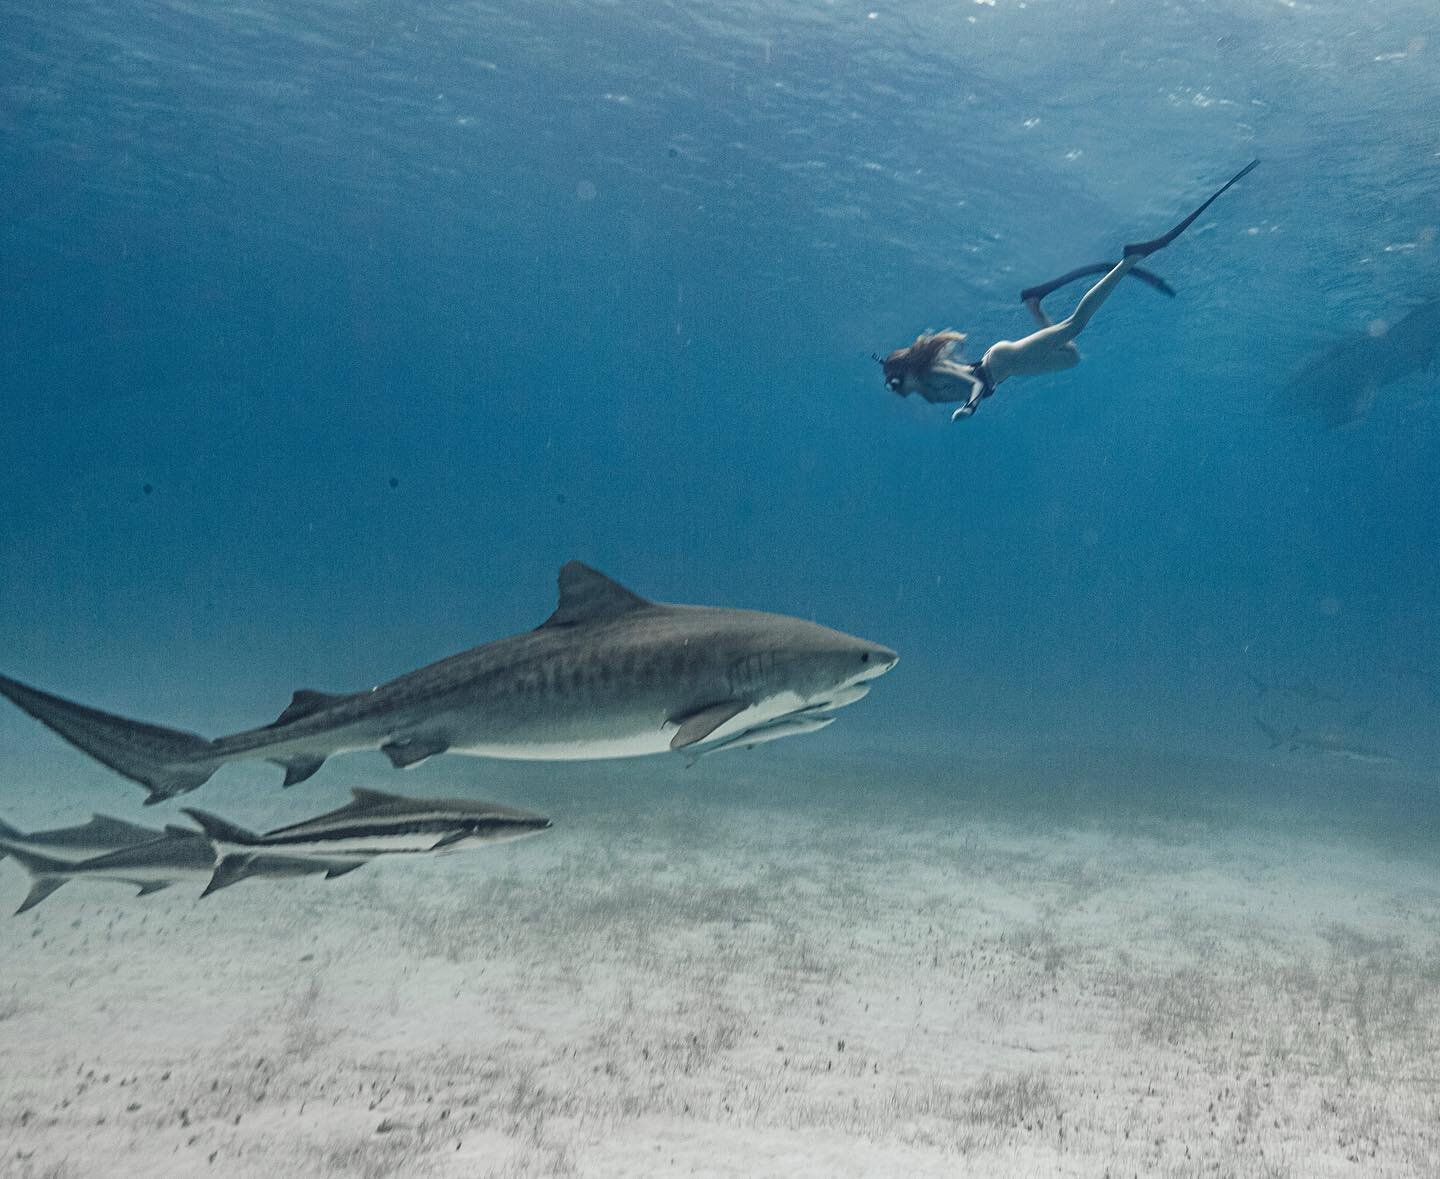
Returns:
(304,703)
(587,595)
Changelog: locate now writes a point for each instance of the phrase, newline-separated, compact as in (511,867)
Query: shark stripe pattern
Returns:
(608,674)
(370,825)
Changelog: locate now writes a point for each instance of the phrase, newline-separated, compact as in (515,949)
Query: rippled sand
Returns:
(755,968)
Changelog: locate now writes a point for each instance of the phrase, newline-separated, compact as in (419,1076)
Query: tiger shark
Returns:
(608,674)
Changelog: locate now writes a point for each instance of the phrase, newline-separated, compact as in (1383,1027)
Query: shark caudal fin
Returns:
(219,830)
(1276,739)
(47,874)
(165,761)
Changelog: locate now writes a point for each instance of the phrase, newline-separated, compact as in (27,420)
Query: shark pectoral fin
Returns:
(229,870)
(449,841)
(306,702)
(153,886)
(697,726)
(40,888)
(411,751)
(297,769)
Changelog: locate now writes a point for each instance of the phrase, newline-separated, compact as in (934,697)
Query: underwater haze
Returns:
(330,331)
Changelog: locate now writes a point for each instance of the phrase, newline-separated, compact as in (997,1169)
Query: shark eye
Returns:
(865,658)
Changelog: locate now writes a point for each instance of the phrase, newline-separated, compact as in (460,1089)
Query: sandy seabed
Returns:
(708,975)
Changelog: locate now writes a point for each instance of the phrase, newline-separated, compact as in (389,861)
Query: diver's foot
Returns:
(963,412)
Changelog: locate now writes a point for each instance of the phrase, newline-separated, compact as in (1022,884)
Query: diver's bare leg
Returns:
(1092,299)
(1037,313)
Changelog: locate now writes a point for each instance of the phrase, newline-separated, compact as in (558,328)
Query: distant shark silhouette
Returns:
(608,674)
(1340,385)
(1329,744)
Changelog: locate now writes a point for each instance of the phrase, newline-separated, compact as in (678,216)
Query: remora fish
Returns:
(158,863)
(371,824)
(1327,743)
(608,674)
(101,834)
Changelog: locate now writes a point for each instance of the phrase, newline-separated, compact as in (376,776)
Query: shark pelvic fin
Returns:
(298,769)
(306,702)
(587,595)
(153,886)
(411,751)
(697,726)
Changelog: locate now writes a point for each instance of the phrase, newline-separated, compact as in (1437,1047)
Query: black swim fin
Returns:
(1144,249)
(1047,288)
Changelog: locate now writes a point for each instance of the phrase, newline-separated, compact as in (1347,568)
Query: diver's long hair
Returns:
(917,360)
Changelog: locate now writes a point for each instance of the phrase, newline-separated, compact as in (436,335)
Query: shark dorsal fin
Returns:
(587,595)
(303,703)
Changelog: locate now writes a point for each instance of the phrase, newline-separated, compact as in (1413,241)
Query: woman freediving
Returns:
(929,366)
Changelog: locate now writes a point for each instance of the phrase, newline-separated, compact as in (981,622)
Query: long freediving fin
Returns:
(1144,249)
(1048,288)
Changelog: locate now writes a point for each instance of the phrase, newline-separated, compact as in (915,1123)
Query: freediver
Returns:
(929,367)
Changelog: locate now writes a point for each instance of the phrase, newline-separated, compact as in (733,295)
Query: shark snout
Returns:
(877,660)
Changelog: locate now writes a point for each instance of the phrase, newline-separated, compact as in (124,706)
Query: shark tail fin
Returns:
(1276,739)
(165,761)
(40,888)
(47,874)
(222,830)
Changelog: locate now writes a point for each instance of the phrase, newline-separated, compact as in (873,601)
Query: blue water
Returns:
(329,331)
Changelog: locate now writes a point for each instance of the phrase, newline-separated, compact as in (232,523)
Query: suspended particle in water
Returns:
(148,488)
(1329,606)
(1376,328)
(585,191)
(673,152)
(394,482)
(560,498)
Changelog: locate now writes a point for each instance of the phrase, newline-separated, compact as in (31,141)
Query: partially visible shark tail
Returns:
(47,874)
(220,830)
(8,832)
(165,761)
(1276,738)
